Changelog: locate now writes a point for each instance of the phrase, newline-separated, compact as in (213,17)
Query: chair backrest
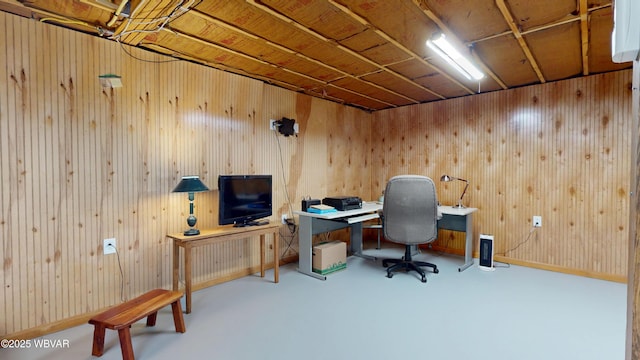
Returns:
(410,210)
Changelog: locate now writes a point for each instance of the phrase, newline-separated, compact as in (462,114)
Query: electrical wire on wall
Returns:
(122,297)
(163,22)
(533,229)
(292,227)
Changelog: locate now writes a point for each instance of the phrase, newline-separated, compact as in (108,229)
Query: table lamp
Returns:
(447,178)
(191,185)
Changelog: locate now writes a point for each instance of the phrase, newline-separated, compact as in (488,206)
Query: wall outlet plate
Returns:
(284,219)
(109,246)
(272,124)
(537,221)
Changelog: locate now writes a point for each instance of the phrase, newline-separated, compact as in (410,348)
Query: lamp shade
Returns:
(190,184)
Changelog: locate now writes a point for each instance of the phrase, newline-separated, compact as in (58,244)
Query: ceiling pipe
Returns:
(116,15)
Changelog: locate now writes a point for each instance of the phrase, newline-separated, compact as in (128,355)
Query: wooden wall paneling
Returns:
(14,211)
(556,150)
(6,301)
(57,184)
(104,136)
(349,154)
(288,156)
(348,159)
(68,82)
(29,245)
(115,192)
(26,181)
(36,176)
(632,346)
(81,163)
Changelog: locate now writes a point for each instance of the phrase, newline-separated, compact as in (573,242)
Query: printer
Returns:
(343,203)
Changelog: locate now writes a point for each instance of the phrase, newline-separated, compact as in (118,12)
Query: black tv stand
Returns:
(251,223)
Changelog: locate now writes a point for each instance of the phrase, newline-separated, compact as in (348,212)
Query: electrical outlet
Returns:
(537,221)
(284,219)
(272,124)
(109,246)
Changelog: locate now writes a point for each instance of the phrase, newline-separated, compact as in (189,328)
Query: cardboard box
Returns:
(329,257)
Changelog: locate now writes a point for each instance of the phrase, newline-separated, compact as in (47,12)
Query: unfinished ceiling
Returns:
(363,53)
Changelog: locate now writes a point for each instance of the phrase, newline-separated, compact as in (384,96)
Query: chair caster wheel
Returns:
(435,271)
(385,264)
(389,275)
(424,279)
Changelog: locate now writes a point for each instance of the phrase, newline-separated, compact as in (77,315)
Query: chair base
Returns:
(406,264)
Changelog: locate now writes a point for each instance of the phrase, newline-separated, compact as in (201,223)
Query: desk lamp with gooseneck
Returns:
(447,178)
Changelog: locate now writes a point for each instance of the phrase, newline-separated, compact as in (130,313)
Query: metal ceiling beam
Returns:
(506,13)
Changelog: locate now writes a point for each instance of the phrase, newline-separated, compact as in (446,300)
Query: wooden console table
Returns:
(216,235)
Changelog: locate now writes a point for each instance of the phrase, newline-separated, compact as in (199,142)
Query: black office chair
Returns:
(410,217)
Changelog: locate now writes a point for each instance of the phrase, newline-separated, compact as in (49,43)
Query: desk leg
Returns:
(176,265)
(356,241)
(262,255)
(276,258)
(305,237)
(468,244)
(187,277)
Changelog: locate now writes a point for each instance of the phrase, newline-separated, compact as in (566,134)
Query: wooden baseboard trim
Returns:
(541,266)
(53,327)
(564,270)
(83,319)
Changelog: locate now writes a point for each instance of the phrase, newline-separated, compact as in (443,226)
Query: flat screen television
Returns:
(244,199)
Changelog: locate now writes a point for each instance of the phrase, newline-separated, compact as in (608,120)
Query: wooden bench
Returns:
(120,317)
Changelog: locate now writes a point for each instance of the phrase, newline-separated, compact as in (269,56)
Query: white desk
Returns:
(453,218)
(459,219)
(312,224)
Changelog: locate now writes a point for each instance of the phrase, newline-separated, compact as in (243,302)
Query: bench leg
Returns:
(151,319)
(98,340)
(178,319)
(125,343)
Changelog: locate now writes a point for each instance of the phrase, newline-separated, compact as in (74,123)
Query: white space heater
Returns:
(486,253)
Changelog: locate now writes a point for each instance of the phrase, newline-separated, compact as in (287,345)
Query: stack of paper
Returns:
(321,209)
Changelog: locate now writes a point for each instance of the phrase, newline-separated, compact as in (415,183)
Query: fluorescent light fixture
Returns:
(442,47)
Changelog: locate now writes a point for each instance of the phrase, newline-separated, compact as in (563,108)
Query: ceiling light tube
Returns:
(444,49)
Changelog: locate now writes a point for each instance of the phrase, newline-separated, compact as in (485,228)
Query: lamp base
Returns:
(191,232)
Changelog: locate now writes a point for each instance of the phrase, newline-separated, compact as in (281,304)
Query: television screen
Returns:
(244,199)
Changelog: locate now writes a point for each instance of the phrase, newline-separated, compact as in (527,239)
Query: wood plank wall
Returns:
(81,163)
(559,150)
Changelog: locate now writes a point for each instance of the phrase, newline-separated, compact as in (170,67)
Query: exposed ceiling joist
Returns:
(584,33)
(506,13)
(297,54)
(445,29)
(344,49)
(362,53)
(410,53)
